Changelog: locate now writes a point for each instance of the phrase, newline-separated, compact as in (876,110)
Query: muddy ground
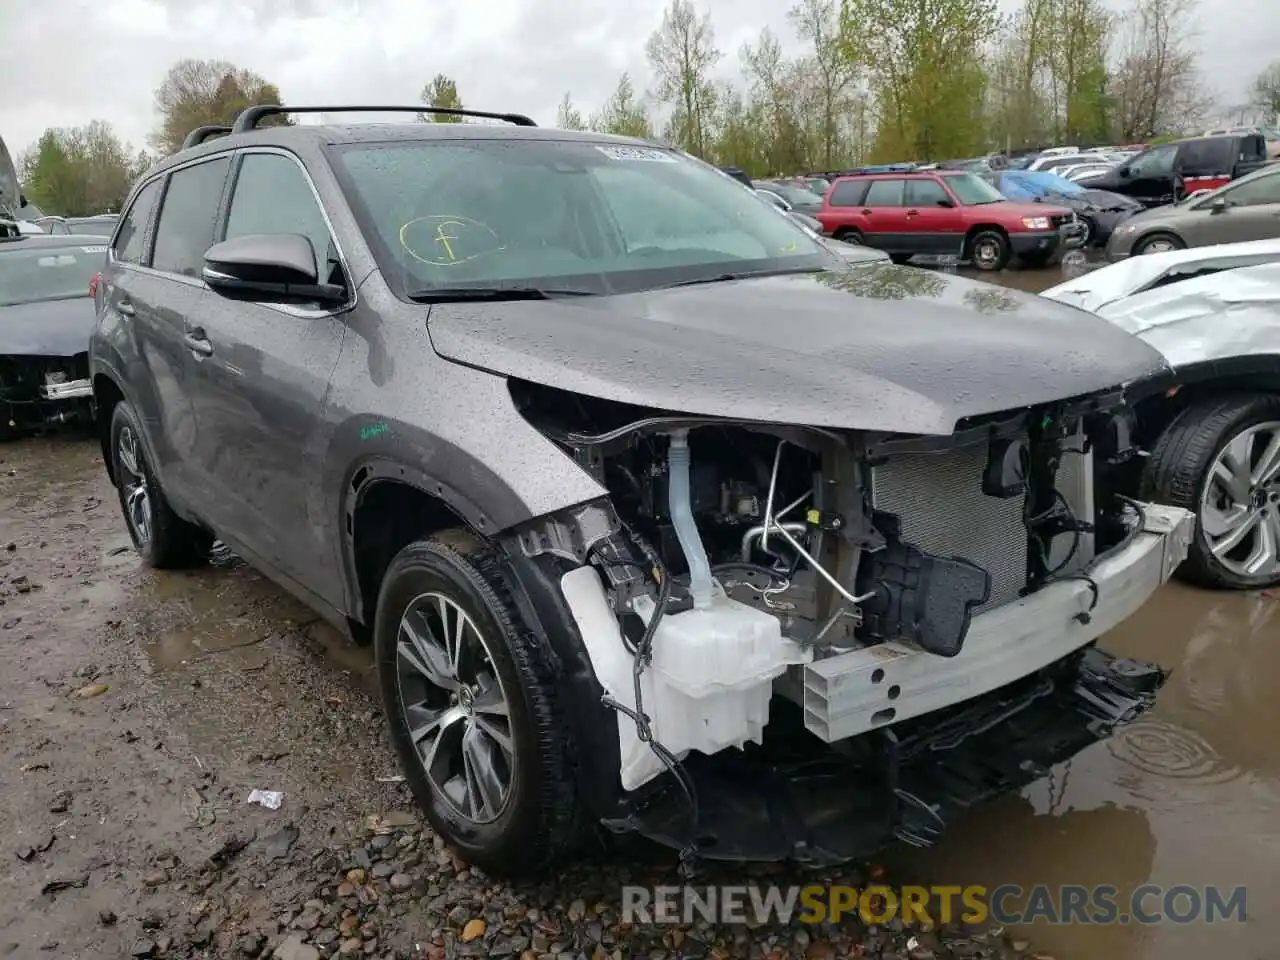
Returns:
(139,709)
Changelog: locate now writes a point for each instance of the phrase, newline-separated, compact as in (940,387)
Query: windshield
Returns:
(47,273)
(595,217)
(972,190)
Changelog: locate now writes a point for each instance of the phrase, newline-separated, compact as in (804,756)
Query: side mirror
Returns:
(1217,205)
(268,267)
(22,200)
(945,202)
(1125,173)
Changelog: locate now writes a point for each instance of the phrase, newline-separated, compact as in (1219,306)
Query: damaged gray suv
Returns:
(660,517)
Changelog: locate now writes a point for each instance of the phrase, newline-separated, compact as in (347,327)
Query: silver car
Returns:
(1245,209)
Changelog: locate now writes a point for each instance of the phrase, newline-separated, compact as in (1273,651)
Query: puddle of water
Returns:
(1188,795)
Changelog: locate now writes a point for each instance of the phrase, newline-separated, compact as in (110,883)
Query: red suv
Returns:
(945,212)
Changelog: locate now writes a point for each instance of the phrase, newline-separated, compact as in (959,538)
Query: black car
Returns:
(1165,173)
(46,317)
(1099,210)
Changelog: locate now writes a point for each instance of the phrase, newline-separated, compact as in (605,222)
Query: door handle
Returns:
(125,308)
(913,213)
(198,343)
(866,213)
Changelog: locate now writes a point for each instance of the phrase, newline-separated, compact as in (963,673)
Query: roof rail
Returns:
(250,117)
(200,134)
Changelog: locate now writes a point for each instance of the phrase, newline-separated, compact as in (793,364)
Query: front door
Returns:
(1252,212)
(1149,177)
(885,217)
(932,218)
(261,377)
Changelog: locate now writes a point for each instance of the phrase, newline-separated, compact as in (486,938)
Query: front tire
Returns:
(989,250)
(1221,460)
(472,705)
(1158,243)
(163,539)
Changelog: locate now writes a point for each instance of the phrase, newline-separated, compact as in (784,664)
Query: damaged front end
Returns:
(793,643)
(38,392)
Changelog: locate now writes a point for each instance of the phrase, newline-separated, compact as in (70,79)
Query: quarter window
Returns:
(273,196)
(187,217)
(130,245)
(884,193)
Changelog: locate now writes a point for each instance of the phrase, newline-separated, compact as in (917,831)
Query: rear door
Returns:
(886,217)
(261,376)
(842,207)
(931,217)
(1252,212)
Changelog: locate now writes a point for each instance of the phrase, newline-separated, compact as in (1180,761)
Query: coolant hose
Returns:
(682,518)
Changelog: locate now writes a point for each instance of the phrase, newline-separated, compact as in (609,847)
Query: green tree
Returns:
(682,53)
(623,114)
(79,171)
(197,93)
(441,91)
(775,90)
(1078,62)
(926,68)
(568,117)
(1266,92)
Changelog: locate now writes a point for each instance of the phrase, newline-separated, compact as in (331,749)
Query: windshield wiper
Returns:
(748,275)
(494,294)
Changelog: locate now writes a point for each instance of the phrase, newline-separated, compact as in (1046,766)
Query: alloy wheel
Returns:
(137,493)
(455,707)
(1159,246)
(1240,504)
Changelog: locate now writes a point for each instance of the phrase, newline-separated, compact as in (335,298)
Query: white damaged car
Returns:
(1212,429)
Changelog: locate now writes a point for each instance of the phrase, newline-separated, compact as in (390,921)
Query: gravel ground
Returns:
(137,712)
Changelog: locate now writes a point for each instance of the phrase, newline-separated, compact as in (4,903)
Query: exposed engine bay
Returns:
(747,575)
(38,392)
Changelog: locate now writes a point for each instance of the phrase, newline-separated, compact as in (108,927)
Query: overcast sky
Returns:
(66,62)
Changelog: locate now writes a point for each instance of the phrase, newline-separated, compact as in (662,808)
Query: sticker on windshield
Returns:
(93,249)
(637,153)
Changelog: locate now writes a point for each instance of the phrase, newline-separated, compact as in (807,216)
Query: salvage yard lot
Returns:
(138,710)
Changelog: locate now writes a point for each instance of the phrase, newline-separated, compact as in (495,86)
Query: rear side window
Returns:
(187,217)
(884,193)
(925,193)
(848,193)
(1205,158)
(1253,148)
(130,244)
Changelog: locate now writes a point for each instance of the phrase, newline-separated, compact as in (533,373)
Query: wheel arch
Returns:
(1162,400)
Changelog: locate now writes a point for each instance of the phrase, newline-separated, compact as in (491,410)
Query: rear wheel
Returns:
(472,707)
(164,540)
(989,250)
(1158,243)
(1221,460)
(850,235)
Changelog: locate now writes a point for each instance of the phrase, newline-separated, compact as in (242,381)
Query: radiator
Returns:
(939,500)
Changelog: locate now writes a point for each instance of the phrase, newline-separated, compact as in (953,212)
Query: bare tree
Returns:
(1266,93)
(834,74)
(682,53)
(1156,84)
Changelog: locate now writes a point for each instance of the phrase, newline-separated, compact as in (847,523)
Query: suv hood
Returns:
(882,348)
(1019,208)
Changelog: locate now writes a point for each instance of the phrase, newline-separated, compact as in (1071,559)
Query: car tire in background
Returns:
(1090,233)
(901,259)
(471,701)
(163,539)
(850,235)
(988,250)
(1209,461)
(1158,243)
